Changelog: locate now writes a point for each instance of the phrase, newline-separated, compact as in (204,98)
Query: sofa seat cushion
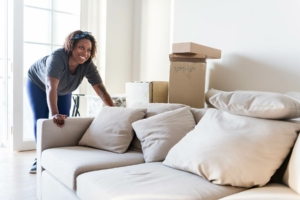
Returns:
(148,181)
(271,191)
(66,163)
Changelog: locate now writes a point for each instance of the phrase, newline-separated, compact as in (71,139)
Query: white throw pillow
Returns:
(293,94)
(211,92)
(152,109)
(111,130)
(158,134)
(268,105)
(234,150)
(156,108)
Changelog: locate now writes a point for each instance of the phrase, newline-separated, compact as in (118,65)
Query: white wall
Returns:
(119,44)
(137,42)
(260,41)
(151,40)
(111,22)
(133,42)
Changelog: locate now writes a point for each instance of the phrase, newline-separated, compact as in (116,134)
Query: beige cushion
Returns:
(52,189)
(234,150)
(156,108)
(211,92)
(135,144)
(111,130)
(292,173)
(158,134)
(149,181)
(293,94)
(66,163)
(152,109)
(198,113)
(267,105)
(269,192)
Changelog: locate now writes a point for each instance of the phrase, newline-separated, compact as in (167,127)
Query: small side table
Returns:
(76,104)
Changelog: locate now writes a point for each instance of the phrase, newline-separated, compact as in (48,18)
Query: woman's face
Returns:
(82,51)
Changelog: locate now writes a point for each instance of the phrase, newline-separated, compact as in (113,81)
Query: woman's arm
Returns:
(51,91)
(103,94)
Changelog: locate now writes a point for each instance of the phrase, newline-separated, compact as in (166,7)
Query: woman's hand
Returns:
(102,93)
(59,119)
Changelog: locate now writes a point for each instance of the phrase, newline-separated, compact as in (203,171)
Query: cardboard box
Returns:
(148,92)
(187,57)
(187,83)
(193,48)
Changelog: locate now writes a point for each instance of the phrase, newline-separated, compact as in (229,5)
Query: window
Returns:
(5,70)
(39,27)
(46,24)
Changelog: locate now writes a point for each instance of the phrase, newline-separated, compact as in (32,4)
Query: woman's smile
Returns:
(81,52)
(83,58)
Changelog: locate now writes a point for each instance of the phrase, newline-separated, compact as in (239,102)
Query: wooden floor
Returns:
(15,181)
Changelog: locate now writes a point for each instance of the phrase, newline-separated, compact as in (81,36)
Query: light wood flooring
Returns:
(15,181)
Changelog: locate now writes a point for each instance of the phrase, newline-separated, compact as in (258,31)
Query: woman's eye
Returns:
(80,47)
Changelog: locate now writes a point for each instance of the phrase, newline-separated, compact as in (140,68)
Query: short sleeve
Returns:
(55,66)
(92,74)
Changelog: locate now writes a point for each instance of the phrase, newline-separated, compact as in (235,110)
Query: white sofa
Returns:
(68,171)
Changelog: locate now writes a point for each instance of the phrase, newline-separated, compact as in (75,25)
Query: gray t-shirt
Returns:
(56,65)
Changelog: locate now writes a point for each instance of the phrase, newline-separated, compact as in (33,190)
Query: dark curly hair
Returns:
(72,39)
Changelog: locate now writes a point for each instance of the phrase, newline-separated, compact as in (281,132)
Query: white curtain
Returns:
(93,19)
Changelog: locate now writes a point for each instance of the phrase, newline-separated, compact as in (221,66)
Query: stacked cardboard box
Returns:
(188,71)
(148,92)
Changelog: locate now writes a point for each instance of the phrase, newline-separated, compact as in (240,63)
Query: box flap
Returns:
(193,48)
(187,57)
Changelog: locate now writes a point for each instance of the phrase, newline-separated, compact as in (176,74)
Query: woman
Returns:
(53,78)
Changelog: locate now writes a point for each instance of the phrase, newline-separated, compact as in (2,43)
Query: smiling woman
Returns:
(55,19)
(53,78)
(80,54)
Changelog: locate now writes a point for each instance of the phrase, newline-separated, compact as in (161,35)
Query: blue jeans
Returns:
(38,103)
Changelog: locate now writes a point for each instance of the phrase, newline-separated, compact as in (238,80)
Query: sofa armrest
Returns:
(49,135)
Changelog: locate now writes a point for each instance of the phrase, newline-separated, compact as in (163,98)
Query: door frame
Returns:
(18,142)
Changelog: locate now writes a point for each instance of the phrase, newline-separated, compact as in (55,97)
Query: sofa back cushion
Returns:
(198,113)
(211,92)
(292,174)
(156,108)
(267,105)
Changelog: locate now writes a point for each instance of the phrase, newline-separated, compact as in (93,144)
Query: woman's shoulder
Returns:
(59,52)
(58,55)
(90,64)
(57,59)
